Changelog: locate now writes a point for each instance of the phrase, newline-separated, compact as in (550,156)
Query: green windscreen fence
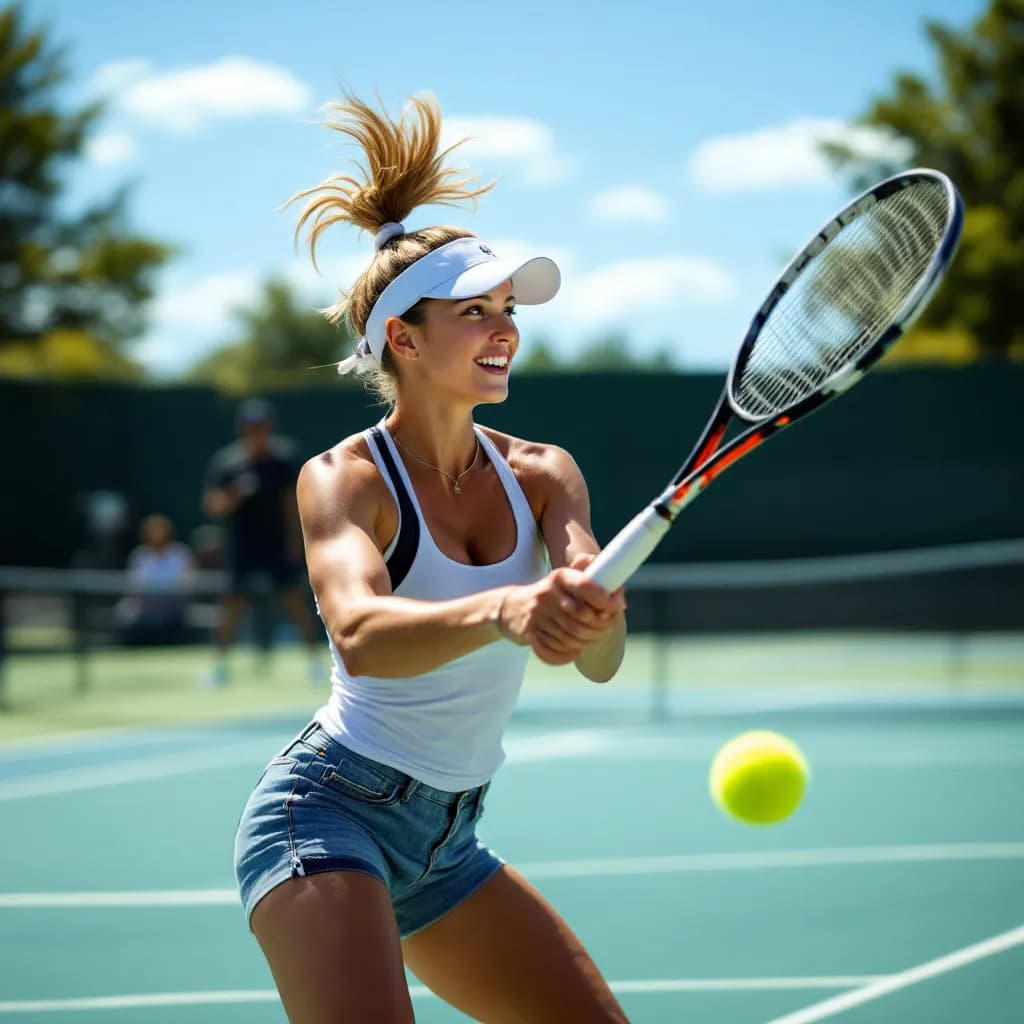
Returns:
(910,458)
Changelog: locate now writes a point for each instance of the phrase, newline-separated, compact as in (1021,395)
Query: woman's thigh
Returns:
(505,956)
(333,947)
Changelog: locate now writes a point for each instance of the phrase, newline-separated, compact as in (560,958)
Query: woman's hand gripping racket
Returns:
(842,302)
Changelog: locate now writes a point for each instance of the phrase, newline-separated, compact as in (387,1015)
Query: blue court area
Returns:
(896,893)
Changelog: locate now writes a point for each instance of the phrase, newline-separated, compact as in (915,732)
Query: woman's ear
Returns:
(400,337)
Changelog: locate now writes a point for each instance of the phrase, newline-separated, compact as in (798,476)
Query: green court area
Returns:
(896,892)
(44,694)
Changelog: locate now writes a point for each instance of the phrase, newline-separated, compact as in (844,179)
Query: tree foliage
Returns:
(62,276)
(969,122)
(281,343)
(606,353)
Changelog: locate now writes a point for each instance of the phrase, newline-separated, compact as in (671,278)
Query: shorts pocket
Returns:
(356,778)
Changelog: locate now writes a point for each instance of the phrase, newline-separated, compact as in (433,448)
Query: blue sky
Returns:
(663,153)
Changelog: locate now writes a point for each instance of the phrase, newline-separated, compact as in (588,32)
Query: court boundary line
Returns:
(700,862)
(564,744)
(903,979)
(137,769)
(630,987)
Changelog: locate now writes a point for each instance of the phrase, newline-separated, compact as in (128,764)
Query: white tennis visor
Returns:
(461,269)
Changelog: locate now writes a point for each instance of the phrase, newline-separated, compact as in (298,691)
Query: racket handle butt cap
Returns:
(628,549)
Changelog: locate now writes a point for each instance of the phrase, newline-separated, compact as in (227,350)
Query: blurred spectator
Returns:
(108,530)
(250,486)
(159,572)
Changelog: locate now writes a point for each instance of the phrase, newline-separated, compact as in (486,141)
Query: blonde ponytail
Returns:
(404,168)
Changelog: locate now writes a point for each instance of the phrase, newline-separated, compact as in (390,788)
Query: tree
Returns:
(968,123)
(64,276)
(614,353)
(536,355)
(280,342)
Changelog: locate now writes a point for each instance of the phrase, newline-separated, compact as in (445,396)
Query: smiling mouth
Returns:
(493,363)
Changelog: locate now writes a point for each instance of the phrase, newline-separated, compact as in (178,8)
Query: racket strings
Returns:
(843,300)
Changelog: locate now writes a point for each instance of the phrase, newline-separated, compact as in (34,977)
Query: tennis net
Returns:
(952,591)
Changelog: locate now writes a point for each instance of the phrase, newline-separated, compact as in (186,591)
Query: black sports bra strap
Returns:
(400,561)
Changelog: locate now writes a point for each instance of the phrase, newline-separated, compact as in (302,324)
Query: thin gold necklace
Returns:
(454,479)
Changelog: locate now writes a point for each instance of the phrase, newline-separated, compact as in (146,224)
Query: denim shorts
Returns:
(320,807)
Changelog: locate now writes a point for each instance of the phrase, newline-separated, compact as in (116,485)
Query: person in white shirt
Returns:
(159,577)
(440,553)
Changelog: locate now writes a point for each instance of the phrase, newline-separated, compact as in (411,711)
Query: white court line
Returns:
(520,750)
(113,900)
(135,770)
(765,860)
(550,746)
(893,982)
(687,751)
(420,992)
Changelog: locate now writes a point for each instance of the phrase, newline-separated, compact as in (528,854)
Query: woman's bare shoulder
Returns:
(532,458)
(340,479)
(542,469)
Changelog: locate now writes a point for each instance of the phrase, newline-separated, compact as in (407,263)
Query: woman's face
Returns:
(466,346)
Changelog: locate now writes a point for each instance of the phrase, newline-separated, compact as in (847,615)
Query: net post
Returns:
(80,641)
(957,657)
(3,650)
(660,659)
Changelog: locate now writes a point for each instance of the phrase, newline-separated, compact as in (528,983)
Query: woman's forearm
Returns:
(397,637)
(601,660)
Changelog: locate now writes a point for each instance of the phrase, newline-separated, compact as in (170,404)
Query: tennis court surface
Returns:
(896,893)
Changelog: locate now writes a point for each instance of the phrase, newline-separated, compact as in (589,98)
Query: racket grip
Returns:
(628,549)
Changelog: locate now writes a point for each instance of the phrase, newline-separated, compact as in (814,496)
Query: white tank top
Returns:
(443,727)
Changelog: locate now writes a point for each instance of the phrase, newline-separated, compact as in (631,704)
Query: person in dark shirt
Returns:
(250,486)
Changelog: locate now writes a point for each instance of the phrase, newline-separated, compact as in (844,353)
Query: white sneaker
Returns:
(215,678)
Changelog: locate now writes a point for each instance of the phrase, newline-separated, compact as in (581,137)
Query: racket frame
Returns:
(637,539)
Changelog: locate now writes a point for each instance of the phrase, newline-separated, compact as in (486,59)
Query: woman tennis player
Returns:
(440,553)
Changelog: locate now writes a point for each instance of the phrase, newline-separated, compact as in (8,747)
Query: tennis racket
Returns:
(843,301)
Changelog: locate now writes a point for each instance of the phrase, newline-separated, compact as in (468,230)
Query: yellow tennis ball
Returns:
(759,777)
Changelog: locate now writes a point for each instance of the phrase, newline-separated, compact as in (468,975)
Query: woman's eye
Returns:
(480,311)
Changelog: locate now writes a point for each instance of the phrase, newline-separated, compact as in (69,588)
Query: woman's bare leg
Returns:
(504,956)
(333,947)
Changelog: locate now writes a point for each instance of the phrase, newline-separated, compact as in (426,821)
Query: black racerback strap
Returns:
(400,561)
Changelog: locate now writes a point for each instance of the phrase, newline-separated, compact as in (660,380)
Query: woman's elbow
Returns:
(350,644)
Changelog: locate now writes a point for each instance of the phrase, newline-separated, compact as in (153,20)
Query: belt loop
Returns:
(410,786)
(481,791)
(309,730)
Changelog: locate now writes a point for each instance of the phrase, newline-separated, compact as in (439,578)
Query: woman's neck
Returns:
(444,438)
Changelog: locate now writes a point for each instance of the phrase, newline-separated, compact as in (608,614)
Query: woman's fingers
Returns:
(560,614)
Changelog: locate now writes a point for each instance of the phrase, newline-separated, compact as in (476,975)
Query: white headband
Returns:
(388,231)
(461,269)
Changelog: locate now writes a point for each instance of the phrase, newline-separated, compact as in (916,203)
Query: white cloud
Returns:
(115,75)
(186,98)
(517,249)
(110,148)
(191,318)
(526,144)
(614,293)
(784,155)
(207,303)
(336,274)
(630,203)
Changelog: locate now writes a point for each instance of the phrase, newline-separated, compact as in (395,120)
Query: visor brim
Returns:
(534,281)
